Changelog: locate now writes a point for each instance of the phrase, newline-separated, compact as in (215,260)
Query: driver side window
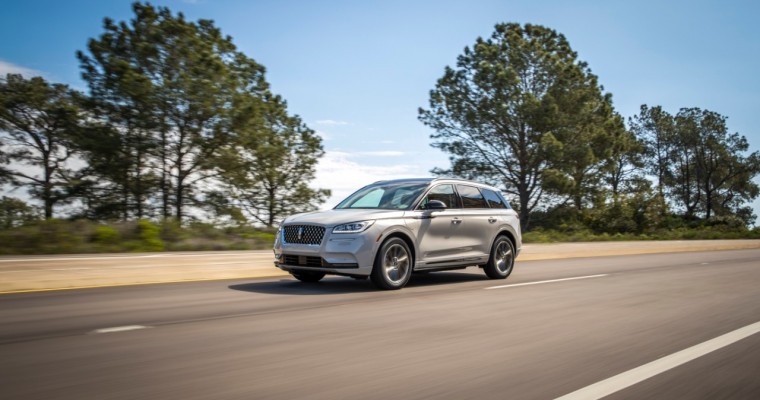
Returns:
(444,193)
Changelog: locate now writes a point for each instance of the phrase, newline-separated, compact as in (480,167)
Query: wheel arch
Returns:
(408,240)
(509,235)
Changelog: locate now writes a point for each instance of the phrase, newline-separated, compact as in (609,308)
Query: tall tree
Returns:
(170,85)
(585,141)
(38,121)
(5,173)
(702,168)
(267,170)
(722,173)
(14,212)
(118,182)
(521,110)
(655,128)
(623,167)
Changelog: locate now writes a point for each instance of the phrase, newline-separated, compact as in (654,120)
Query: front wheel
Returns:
(502,259)
(393,265)
(308,276)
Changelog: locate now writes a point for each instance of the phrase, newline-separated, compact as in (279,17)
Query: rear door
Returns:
(478,226)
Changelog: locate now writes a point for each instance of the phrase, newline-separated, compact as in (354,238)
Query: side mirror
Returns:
(435,205)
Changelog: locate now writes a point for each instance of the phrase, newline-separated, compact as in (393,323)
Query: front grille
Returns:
(306,261)
(304,234)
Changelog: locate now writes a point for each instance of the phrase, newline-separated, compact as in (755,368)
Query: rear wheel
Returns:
(502,259)
(308,276)
(393,265)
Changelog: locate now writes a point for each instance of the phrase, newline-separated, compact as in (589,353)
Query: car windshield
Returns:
(386,196)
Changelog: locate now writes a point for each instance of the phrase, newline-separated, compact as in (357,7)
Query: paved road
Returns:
(446,335)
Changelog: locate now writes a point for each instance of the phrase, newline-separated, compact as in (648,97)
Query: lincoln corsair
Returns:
(390,229)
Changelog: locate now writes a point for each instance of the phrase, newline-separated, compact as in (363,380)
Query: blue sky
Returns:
(357,71)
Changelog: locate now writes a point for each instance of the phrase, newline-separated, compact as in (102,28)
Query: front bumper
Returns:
(338,254)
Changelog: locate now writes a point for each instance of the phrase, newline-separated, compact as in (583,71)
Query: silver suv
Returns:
(389,229)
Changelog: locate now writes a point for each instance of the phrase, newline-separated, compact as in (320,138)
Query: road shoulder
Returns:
(65,272)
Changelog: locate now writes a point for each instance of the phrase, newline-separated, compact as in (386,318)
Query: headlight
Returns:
(354,227)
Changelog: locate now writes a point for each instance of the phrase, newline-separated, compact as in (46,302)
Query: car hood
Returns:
(341,216)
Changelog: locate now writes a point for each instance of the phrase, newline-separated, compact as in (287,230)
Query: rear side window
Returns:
(493,199)
(471,197)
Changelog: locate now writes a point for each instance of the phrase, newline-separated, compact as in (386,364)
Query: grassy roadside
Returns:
(79,237)
(82,236)
(697,233)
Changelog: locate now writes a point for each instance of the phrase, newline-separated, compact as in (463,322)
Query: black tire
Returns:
(502,260)
(393,265)
(308,276)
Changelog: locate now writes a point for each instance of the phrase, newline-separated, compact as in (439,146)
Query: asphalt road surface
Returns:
(688,322)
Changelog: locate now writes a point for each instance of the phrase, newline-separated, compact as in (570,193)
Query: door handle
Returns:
(456,221)
(492,220)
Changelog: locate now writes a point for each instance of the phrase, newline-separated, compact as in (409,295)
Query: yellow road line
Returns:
(137,283)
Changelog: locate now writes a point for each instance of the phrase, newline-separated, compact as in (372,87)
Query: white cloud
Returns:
(378,153)
(9,68)
(324,135)
(382,153)
(331,122)
(339,172)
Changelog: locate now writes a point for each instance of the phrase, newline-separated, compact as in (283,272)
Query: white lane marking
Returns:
(549,281)
(230,263)
(120,329)
(18,270)
(76,258)
(224,254)
(65,269)
(168,255)
(44,269)
(646,371)
(128,267)
(183,266)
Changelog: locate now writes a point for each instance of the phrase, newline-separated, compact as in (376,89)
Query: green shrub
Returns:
(83,236)
(172,231)
(682,233)
(150,236)
(106,235)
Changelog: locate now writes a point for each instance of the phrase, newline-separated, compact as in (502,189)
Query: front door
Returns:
(438,231)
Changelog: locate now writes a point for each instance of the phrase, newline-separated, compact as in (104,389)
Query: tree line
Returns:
(176,122)
(520,111)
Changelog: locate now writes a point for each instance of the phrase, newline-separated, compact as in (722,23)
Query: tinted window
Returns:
(444,193)
(370,200)
(471,197)
(393,196)
(494,200)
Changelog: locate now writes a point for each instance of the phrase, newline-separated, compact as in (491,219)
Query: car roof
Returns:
(407,180)
(431,180)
